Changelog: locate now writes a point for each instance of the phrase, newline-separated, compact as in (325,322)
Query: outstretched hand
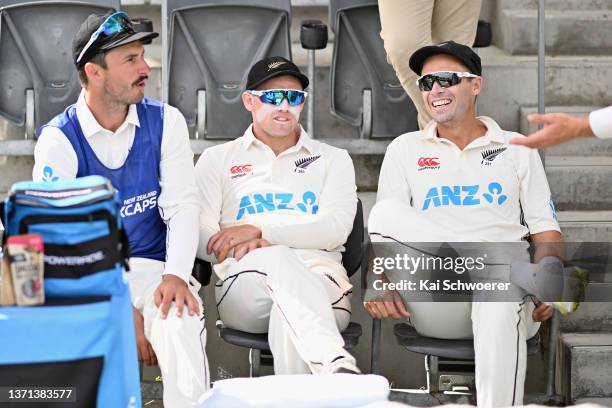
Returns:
(558,128)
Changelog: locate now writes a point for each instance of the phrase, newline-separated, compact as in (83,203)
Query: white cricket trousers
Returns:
(500,329)
(178,342)
(302,310)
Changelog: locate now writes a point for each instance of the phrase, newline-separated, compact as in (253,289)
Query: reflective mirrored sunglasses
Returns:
(444,78)
(276,96)
(115,23)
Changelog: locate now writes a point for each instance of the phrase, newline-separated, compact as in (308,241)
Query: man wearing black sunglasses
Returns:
(276,208)
(142,146)
(459,180)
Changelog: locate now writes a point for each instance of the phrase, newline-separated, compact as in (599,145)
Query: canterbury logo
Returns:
(428,162)
(275,65)
(240,169)
(489,155)
(302,164)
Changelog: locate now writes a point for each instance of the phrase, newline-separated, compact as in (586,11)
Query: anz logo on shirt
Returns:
(270,202)
(464,196)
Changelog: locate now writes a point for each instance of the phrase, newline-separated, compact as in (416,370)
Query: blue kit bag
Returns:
(83,337)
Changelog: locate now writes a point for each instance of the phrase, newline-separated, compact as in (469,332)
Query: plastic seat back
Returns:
(359,64)
(37,74)
(211,45)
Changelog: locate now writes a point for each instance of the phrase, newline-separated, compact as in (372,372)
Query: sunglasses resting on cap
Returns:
(115,23)
(445,79)
(276,96)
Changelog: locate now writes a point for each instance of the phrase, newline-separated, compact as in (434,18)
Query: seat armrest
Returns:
(202,271)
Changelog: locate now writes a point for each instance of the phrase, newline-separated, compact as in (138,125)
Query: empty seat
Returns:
(365,91)
(37,74)
(209,47)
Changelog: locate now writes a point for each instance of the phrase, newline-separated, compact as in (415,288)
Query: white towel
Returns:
(297,391)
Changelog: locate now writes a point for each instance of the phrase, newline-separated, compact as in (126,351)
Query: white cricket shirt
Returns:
(601,122)
(304,198)
(480,192)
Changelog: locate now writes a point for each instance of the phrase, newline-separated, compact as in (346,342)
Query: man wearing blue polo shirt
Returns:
(142,146)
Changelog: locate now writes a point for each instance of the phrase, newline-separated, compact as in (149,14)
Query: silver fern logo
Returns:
(489,155)
(302,164)
(275,65)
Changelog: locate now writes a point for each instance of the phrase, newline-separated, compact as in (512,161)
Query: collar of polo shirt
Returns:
(304,141)
(494,132)
(90,125)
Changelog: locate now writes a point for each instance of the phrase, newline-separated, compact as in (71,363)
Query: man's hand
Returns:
(226,239)
(175,289)
(558,128)
(246,247)
(542,312)
(145,350)
(389,304)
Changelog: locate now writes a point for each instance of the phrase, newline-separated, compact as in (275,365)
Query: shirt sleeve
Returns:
(177,202)
(601,122)
(329,228)
(210,197)
(535,198)
(392,181)
(54,156)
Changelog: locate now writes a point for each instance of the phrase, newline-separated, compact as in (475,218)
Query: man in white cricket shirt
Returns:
(276,208)
(459,180)
(142,146)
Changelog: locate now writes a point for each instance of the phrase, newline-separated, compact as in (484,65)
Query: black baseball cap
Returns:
(125,35)
(272,67)
(463,53)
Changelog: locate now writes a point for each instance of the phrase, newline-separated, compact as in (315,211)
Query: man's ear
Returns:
(477,85)
(248,102)
(92,70)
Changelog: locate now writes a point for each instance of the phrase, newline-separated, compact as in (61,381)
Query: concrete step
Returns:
(599,401)
(586,226)
(580,183)
(583,365)
(589,317)
(568,31)
(558,4)
(581,147)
